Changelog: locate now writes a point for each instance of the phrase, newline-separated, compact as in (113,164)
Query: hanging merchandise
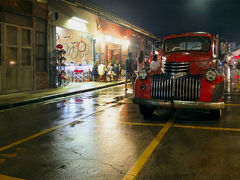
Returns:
(81,45)
(60,65)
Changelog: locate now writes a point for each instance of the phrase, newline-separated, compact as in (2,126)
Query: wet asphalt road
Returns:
(97,135)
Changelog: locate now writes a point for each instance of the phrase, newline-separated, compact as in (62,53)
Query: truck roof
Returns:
(189,34)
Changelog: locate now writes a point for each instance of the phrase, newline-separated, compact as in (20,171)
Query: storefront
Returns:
(120,40)
(78,53)
(88,37)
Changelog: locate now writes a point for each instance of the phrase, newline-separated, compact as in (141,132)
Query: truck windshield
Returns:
(188,43)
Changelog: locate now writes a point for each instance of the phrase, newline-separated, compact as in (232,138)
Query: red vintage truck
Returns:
(189,76)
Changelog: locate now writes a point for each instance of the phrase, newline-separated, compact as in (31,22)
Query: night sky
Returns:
(164,17)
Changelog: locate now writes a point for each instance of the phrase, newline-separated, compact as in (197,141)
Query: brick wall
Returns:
(41,80)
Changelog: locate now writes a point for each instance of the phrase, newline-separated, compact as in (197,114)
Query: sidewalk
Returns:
(23,98)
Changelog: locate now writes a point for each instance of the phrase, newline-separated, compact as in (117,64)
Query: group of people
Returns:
(141,63)
(113,71)
(101,72)
(235,68)
(132,68)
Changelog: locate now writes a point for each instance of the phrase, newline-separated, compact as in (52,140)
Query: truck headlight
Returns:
(211,75)
(142,74)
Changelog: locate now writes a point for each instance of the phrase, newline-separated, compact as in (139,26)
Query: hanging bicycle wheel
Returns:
(81,46)
(73,52)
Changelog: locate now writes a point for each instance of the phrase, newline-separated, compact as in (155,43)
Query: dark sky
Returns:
(163,17)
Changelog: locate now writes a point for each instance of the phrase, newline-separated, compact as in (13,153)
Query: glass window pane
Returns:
(26,37)
(12,56)
(26,57)
(11,35)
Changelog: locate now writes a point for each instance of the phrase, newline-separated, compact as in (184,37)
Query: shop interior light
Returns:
(127,42)
(108,38)
(79,20)
(116,40)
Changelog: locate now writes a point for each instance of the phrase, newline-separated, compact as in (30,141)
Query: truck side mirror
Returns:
(223,48)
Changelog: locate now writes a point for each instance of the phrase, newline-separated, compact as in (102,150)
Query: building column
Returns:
(106,54)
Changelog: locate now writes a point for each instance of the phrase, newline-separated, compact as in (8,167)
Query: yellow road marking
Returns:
(3,177)
(9,155)
(207,128)
(138,165)
(143,124)
(232,104)
(31,137)
(41,133)
(184,126)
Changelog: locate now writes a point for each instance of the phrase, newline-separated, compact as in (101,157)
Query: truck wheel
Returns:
(145,110)
(215,114)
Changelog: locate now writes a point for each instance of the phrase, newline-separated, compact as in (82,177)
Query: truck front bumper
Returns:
(179,104)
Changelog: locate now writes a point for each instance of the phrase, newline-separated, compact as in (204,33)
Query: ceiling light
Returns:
(80,20)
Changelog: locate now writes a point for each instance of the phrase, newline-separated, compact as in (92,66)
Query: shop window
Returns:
(26,37)
(26,57)
(11,35)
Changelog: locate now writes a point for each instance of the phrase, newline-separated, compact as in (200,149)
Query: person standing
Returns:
(155,65)
(140,61)
(238,68)
(117,69)
(230,65)
(129,69)
(95,71)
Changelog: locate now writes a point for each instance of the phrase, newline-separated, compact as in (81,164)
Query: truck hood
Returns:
(188,57)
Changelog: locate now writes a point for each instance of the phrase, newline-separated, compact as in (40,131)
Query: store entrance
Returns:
(114,53)
(75,60)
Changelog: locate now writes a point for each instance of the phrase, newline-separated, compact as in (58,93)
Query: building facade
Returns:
(23,29)
(31,30)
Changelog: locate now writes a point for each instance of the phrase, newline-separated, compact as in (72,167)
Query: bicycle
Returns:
(63,79)
(73,51)
(66,80)
(81,45)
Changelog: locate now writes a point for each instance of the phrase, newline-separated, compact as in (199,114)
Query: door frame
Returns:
(19,67)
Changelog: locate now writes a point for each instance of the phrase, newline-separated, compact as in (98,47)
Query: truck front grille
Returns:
(176,67)
(186,88)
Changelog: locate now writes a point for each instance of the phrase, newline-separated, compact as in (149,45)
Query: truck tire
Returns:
(145,110)
(215,114)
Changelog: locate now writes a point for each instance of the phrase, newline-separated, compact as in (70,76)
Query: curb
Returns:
(45,98)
